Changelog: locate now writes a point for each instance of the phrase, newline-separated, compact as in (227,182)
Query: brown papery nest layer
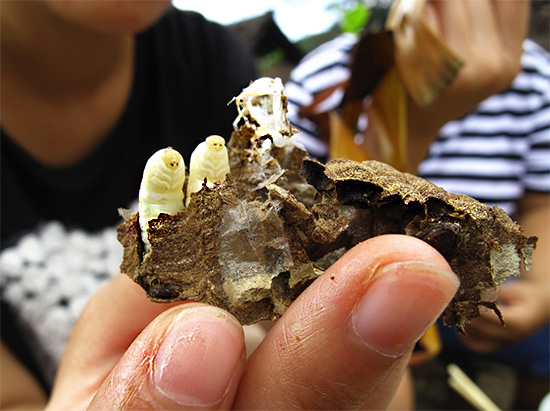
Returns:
(253,243)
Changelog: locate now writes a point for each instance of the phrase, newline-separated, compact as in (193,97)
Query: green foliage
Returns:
(354,14)
(270,60)
(356,18)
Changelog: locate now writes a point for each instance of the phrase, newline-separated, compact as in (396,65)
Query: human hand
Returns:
(344,342)
(525,308)
(487,35)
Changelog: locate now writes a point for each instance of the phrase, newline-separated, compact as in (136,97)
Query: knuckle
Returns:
(489,77)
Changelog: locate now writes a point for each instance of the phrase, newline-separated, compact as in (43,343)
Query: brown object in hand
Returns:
(253,243)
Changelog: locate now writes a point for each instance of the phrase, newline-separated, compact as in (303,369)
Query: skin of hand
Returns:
(487,35)
(343,343)
(524,307)
(19,390)
(525,302)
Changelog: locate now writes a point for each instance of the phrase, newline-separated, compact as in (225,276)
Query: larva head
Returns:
(215,143)
(164,172)
(171,158)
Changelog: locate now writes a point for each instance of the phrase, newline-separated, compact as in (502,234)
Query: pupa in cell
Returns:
(161,189)
(209,161)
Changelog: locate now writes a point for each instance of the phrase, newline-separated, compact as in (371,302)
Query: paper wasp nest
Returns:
(253,242)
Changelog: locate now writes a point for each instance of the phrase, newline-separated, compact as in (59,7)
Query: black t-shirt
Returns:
(186,72)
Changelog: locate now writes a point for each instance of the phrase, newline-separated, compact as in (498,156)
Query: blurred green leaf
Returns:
(270,60)
(356,18)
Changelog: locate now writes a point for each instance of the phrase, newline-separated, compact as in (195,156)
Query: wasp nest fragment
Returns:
(252,242)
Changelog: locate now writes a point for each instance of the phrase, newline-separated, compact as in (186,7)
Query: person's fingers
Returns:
(485,334)
(111,320)
(190,357)
(431,17)
(481,345)
(512,19)
(519,309)
(450,18)
(481,49)
(338,343)
(482,24)
(487,34)
(499,28)
(486,326)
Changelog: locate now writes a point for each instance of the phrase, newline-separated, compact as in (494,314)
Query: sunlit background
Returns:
(296,18)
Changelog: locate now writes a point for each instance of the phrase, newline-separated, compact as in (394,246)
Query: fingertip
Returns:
(199,358)
(402,301)
(190,356)
(406,286)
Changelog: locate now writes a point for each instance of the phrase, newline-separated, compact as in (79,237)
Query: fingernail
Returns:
(198,357)
(403,300)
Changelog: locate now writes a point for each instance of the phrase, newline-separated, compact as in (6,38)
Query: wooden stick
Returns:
(464,386)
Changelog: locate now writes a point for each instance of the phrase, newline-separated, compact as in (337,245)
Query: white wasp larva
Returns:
(161,188)
(209,160)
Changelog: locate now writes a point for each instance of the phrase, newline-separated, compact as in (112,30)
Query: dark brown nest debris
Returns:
(252,244)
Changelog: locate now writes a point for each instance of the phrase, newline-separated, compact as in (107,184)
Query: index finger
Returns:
(512,21)
(113,318)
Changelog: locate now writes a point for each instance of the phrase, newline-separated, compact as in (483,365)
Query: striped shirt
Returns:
(494,154)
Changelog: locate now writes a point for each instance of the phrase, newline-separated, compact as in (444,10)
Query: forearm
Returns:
(535,219)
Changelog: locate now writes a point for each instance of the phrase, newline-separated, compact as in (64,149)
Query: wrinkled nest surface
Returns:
(253,243)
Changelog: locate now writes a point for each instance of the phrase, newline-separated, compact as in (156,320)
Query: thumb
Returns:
(189,357)
(345,341)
